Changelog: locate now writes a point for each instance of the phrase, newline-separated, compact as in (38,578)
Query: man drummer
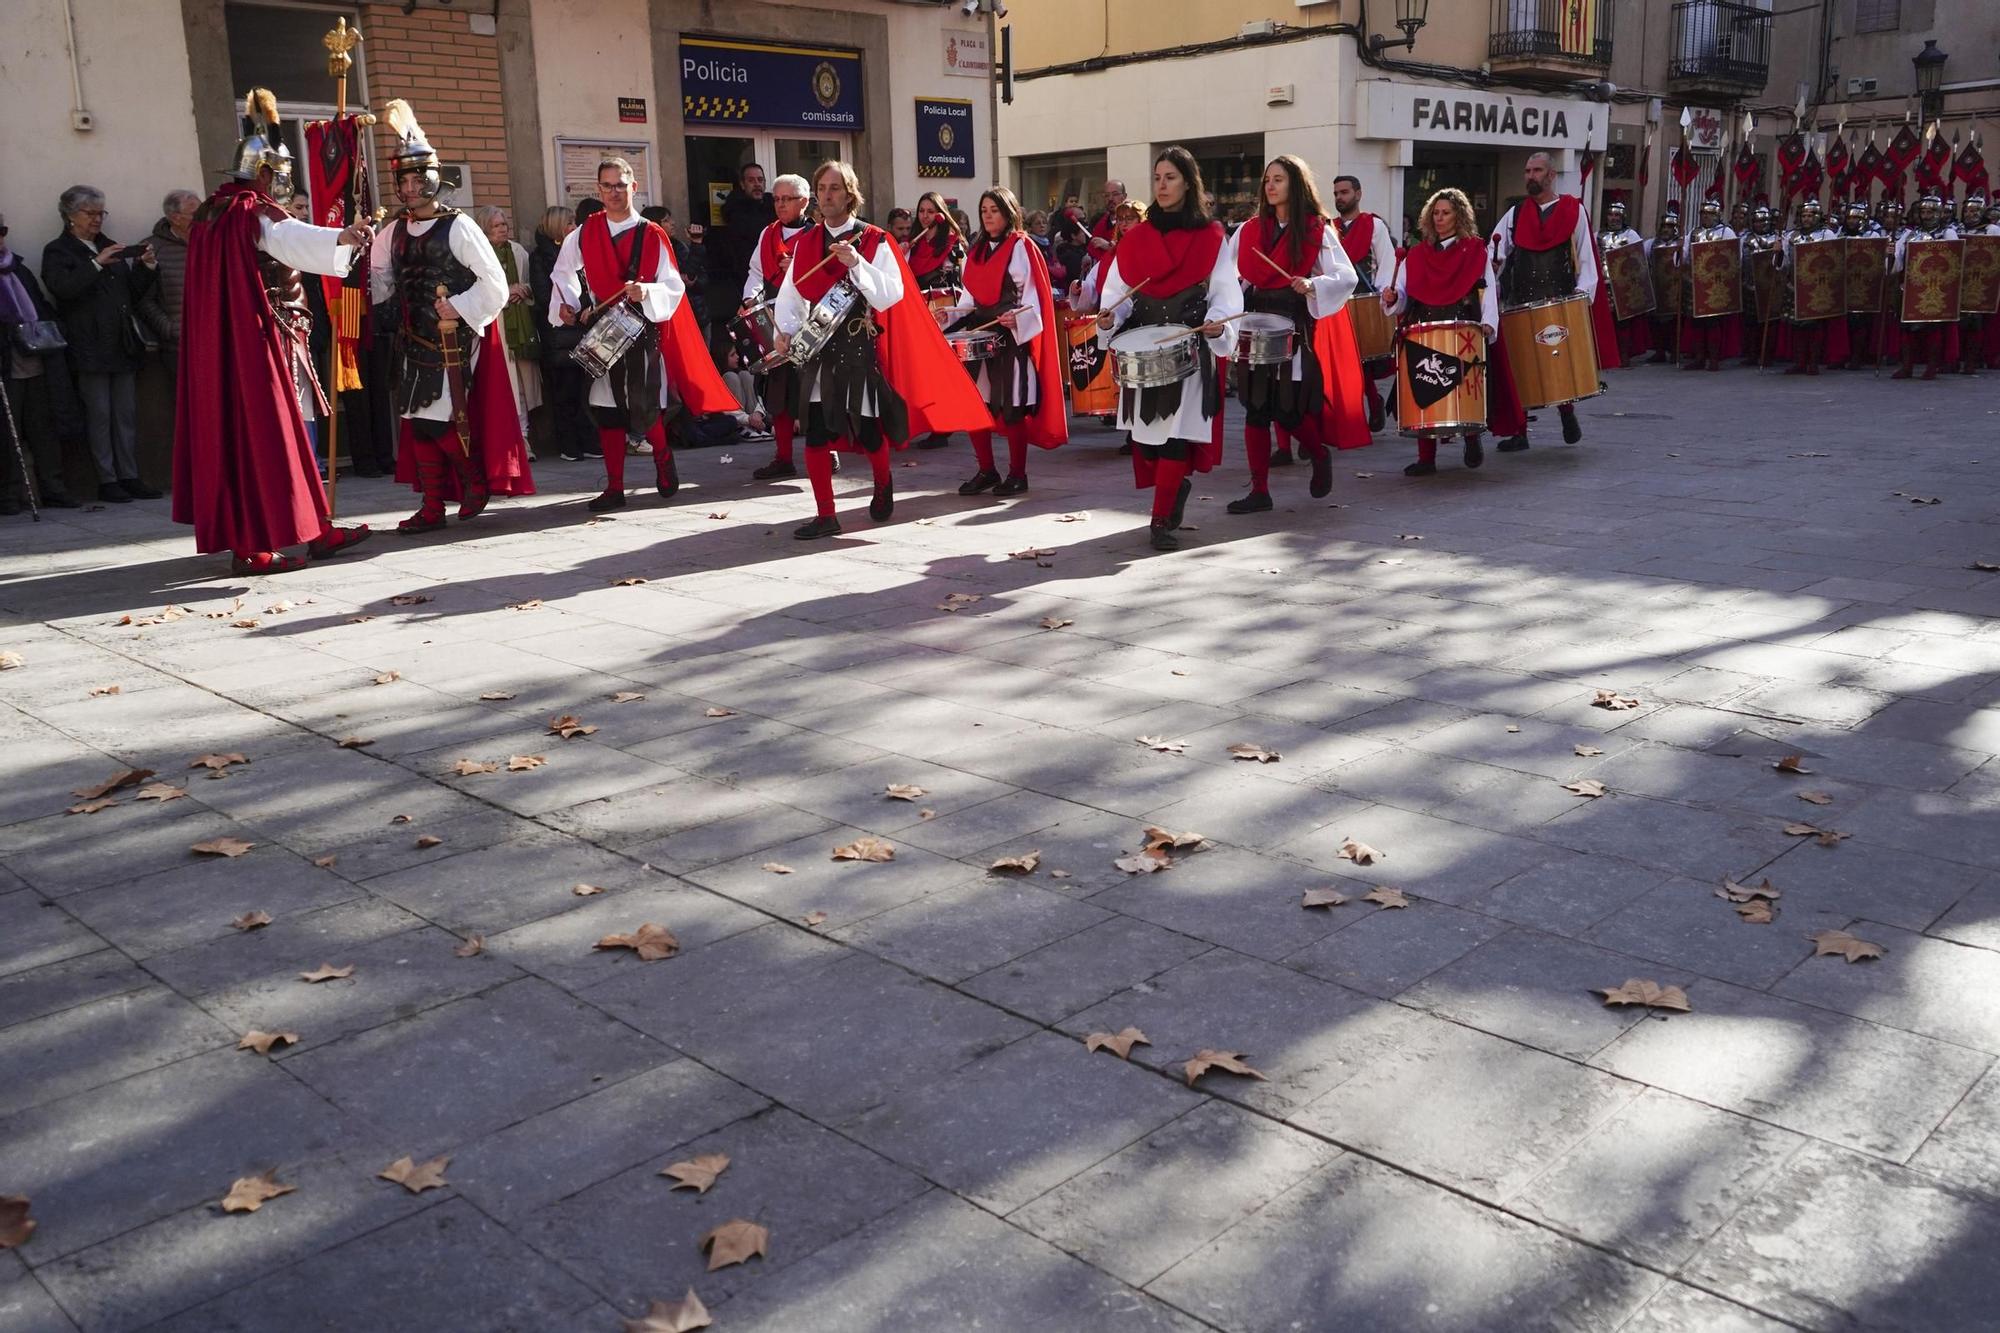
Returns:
(769,260)
(1667,258)
(1932,223)
(1542,252)
(1706,333)
(1616,234)
(1370,245)
(1809,336)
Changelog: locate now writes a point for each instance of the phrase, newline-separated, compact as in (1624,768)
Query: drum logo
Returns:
(1434,376)
(1086,362)
(826,84)
(1553,336)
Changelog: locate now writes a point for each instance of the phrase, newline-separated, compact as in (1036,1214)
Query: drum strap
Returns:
(636,379)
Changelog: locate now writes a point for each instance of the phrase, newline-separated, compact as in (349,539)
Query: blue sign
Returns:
(944,137)
(762,83)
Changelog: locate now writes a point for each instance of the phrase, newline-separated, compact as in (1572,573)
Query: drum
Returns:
(1374,327)
(1441,379)
(1091,390)
(820,326)
(1265,340)
(756,330)
(942,297)
(974,345)
(1153,356)
(1552,351)
(611,335)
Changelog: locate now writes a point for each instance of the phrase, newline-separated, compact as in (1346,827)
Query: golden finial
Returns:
(339,44)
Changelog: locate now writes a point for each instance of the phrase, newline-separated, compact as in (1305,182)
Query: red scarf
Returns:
(984,276)
(1440,276)
(1357,238)
(1048,423)
(1168,262)
(931,250)
(1534,231)
(772,247)
(606,261)
(1260,236)
(809,250)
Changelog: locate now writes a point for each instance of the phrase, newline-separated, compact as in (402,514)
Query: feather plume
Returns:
(261,105)
(401,120)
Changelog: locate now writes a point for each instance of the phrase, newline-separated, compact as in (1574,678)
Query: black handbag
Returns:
(39,337)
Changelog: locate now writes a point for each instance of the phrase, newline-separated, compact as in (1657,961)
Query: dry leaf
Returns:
(1037,553)
(262,1042)
(1162,744)
(415,1178)
(1587,751)
(926,814)
(356,742)
(685,1314)
(1386,896)
(278,608)
(1586,787)
(328,972)
(1254,753)
(1850,947)
(627,697)
(1614,701)
(497,696)
(814,919)
(1159,838)
(1756,912)
(1831,837)
(718,513)
(326,862)
(1081,516)
(387,676)
(1743,893)
(629,581)
(472,948)
(9,660)
(1512,728)
(586,890)
(777,867)
(1649,993)
(216,761)
(1360,853)
(569,726)
(1791,763)
(124,777)
(248,622)
(650,942)
(1228,1061)
(250,1193)
(427,841)
(1055,622)
(252,920)
(1025,863)
(15,1224)
(1177,671)
(91,807)
(1815,797)
(1409,537)
(523,763)
(954,601)
(222,847)
(465,768)
(532,604)
(399,819)
(904,791)
(699,1173)
(106,689)
(1801,830)
(1144,863)
(1322,898)
(865,848)
(734,1242)
(1985,566)
(1118,1043)
(408,599)
(161,791)
(719,712)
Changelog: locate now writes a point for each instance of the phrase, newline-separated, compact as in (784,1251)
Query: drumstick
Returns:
(1226,319)
(1282,270)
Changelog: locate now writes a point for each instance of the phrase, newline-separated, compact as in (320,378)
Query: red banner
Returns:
(337,183)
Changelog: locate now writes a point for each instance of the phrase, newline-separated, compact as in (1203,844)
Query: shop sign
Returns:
(727,82)
(1453,115)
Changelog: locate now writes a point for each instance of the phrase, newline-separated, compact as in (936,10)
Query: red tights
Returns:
(1257,448)
(1017,448)
(611,439)
(782,427)
(819,471)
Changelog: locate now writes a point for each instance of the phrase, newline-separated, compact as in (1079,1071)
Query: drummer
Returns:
(1444,277)
(1007,295)
(1542,252)
(1291,265)
(769,260)
(937,260)
(1370,245)
(1172,269)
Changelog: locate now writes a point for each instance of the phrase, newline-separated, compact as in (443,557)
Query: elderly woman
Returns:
(97,285)
(38,387)
(517,320)
(563,380)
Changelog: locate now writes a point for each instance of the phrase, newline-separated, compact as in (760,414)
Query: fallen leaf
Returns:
(216,761)
(523,763)
(1756,912)
(1831,837)
(1056,622)
(586,890)
(1177,671)
(627,697)
(814,919)
(399,819)
(252,920)
(734,1242)
(720,712)
(427,841)
(1801,830)
(777,867)
(1791,763)
(1986,566)
(532,604)
(957,600)
(1162,744)
(1851,947)
(1586,787)
(1386,896)
(250,1193)
(359,620)
(685,1314)
(248,622)
(161,791)
(1144,863)
(234,607)
(926,814)
(9,660)
(325,862)
(472,948)
(1512,728)
(388,676)
(414,1177)
(718,513)
(904,791)
(91,807)
(496,696)
(1227,1061)
(650,942)
(865,848)
(1158,838)
(1037,553)
(569,726)
(1024,863)
(1322,898)
(1587,751)
(106,689)
(409,599)
(1118,1043)
(697,1173)
(328,972)
(1743,893)
(262,1042)
(278,608)
(222,847)
(356,742)
(1409,537)
(15,1224)
(1649,993)
(1254,753)
(1081,516)
(124,777)
(1360,853)
(1614,701)
(629,581)
(465,768)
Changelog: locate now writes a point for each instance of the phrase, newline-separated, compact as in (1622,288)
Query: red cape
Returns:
(1168,262)
(245,474)
(926,255)
(1436,276)
(1533,231)
(689,366)
(1357,238)
(495,422)
(1343,420)
(1048,424)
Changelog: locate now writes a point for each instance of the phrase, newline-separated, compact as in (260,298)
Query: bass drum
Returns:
(1552,351)
(1092,391)
(1374,327)
(1441,379)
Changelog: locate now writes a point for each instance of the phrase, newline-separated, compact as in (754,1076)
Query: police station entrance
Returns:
(787,108)
(1434,166)
(714,161)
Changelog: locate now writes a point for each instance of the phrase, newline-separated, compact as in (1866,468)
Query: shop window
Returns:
(1052,181)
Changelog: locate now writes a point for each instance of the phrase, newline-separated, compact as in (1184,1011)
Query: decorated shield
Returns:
(1819,280)
(1668,272)
(1770,294)
(1867,268)
(1980,290)
(1631,280)
(1715,268)
(1933,279)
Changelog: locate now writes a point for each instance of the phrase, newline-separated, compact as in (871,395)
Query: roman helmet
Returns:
(1670,222)
(1890,213)
(1972,213)
(261,147)
(1811,215)
(1762,220)
(413,151)
(1854,219)
(1739,215)
(1614,215)
(1931,214)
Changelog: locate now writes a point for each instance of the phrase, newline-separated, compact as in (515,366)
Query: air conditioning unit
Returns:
(1259,28)
(1860,87)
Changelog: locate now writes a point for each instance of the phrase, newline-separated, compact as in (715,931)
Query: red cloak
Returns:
(245,474)
(1048,424)
(931,250)
(1357,238)
(606,261)
(1343,421)
(1165,263)
(772,248)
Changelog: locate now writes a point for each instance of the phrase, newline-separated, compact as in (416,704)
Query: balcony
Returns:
(1560,39)
(1719,47)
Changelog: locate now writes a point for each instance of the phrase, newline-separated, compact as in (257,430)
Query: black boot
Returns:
(667,474)
(1015,484)
(824,525)
(981,482)
(778,469)
(1257,502)
(1514,444)
(1180,501)
(1572,428)
(884,503)
(1322,477)
(1421,469)
(613,498)
(1163,539)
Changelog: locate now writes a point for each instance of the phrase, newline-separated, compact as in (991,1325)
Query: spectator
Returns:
(161,311)
(1070,241)
(900,223)
(170,235)
(562,379)
(97,284)
(742,383)
(690,257)
(519,324)
(1038,232)
(585,207)
(38,386)
(746,211)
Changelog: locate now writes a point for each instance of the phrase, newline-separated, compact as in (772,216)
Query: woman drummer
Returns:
(1291,264)
(1007,294)
(1172,270)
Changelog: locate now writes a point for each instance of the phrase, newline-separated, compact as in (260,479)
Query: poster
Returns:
(576,167)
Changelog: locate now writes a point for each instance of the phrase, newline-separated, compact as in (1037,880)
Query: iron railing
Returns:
(1721,40)
(1569,30)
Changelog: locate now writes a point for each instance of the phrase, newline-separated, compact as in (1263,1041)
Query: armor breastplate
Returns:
(1707,234)
(1280,301)
(286,291)
(1759,241)
(422,263)
(1537,275)
(1466,308)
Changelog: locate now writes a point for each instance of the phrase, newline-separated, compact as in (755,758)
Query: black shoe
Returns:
(1475,451)
(1421,470)
(1513,444)
(1282,458)
(1163,538)
(1322,478)
(1180,501)
(138,490)
(1257,502)
(1014,485)
(1572,428)
(934,442)
(57,500)
(113,494)
(671,482)
(778,469)
(981,482)
(824,526)
(884,503)
(1375,417)
(605,503)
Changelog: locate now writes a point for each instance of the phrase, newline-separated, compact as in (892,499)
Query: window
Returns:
(1878,15)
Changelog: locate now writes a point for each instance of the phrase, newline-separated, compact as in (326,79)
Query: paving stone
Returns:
(1863,880)
(957,932)
(27,1307)
(857,796)
(1435,858)
(1976,918)
(1384,952)
(757,752)
(847,891)
(1052,982)
(393,847)
(1389,1251)
(67,858)
(1939,988)
(1679,1308)
(34,932)
(100,1042)
(1235,898)
(68,984)
(1086,845)
(1683,925)
(496,888)
(1965,1149)
(1931,823)
(1568,894)
(562,948)
(1836,1078)
(1706,844)
(194,903)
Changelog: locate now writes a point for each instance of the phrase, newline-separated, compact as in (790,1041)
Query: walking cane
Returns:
(20,455)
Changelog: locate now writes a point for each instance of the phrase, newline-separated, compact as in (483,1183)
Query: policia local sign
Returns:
(726,82)
(944,137)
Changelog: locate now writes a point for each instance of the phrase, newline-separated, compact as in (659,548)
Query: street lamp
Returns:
(1410,16)
(1929,64)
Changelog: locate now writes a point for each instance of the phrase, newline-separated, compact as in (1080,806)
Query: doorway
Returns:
(1434,167)
(715,160)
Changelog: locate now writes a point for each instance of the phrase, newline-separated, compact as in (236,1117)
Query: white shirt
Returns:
(477,306)
(879,280)
(753,286)
(1333,278)
(1225,299)
(1027,316)
(663,289)
(1489,303)
(303,246)
(1580,247)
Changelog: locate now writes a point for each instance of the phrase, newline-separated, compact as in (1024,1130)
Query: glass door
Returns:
(713,163)
(798,157)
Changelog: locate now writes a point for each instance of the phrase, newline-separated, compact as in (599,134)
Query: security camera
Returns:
(968,7)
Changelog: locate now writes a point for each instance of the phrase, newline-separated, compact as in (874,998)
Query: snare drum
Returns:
(1265,340)
(1441,379)
(1374,329)
(1552,351)
(1154,356)
(757,330)
(611,335)
(974,345)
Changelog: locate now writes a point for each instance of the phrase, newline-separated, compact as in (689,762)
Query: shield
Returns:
(1668,272)
(1867,268)
(1769,292)
(1819,281)
(1716,271)
(1980,292)
(1933,278)
(1631,280)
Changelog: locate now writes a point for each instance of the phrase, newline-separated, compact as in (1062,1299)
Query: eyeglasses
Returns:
(92,212)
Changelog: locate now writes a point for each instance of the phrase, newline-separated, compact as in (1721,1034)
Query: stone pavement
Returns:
(1452,1132)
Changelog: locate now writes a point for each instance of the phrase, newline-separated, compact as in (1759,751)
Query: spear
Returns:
(339,44)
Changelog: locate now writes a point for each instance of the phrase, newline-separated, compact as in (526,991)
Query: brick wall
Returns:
(451,79)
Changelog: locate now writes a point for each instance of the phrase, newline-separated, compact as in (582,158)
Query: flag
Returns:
(337,176)
(1902,149)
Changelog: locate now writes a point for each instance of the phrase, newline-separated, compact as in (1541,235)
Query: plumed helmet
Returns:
(413,151)
(261,147)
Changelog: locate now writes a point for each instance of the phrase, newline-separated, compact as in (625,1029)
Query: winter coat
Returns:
(97,306)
